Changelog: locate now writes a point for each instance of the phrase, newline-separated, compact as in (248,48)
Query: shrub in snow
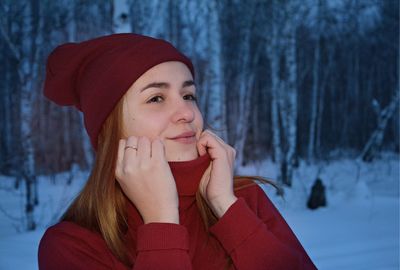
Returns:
(317,196)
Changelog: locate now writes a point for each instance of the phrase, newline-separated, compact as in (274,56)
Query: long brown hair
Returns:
(101,205)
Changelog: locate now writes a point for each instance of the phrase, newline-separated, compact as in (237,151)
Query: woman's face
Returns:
(162,103)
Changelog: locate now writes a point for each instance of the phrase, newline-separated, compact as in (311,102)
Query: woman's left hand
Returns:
(216,185)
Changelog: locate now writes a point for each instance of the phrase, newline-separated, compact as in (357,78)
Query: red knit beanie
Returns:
(94,75)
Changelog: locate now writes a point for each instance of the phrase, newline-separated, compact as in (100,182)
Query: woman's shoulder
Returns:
(69,244)
(67,228)
(67,234)
(255,196)
(247,187)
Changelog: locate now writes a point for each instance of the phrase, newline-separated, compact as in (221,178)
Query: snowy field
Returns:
(358,230)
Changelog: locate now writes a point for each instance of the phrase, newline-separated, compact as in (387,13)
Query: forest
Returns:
(288,80)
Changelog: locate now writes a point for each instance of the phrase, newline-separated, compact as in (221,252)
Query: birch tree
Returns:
(214,73)
(89,19)
(26,55)
(374,144)
(9,98)
(240,60)
(320,20)
(149,17)
(311,84)
(281,50)
(201,40)
(316,81)
(68,21)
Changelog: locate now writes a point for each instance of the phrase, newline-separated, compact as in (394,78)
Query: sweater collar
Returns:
(187,174)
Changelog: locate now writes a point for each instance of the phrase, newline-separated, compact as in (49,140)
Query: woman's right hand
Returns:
(146,179)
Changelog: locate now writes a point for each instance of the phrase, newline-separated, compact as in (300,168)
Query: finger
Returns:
(219,139)
(157,149)
(129,150)
(207,142)
(202,145)
(120,156)
(132,141)
(231,152)
(144,150)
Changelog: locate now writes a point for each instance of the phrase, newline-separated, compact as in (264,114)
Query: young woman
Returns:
(161,194)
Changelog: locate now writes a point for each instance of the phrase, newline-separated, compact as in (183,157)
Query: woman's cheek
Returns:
(200,122)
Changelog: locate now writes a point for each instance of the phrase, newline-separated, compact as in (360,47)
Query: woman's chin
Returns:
(182,156)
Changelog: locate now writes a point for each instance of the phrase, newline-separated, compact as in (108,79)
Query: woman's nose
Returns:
(183,111)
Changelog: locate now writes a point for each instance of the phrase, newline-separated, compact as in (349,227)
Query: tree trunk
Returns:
(145,17)
(274,55)
(291,88)
(324,82)
(314,101)
(216,114)
(245,81)
(29,70)
(374,143)
(282,55)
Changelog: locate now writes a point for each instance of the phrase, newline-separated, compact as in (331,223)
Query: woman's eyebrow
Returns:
(155,85)
(188,83)
(166,85)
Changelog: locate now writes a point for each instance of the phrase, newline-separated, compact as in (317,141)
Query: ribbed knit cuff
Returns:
(236,225)
(158,236)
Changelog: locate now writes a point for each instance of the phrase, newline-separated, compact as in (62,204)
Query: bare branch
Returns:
(13,48)
(9,216)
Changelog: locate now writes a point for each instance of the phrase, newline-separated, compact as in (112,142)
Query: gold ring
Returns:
(133,147)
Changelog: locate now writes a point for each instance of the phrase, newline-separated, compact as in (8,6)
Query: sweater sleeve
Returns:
(255,235)
(159,246)
(162,246)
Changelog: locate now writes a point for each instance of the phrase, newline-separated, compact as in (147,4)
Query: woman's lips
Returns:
(185,138)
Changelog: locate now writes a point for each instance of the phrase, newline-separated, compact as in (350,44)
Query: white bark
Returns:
(291,89)
(200,39)
(374,143)
(274,56)
(72,25)
(149,17)
(154,26)
(216,111)
(314,101)
(245,86)
(242,127)
(194,42)
(28,71)
(284,87)
(324,82)
(120,23)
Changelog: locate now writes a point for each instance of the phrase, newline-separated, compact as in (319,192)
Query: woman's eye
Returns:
(190,97)
(156,99)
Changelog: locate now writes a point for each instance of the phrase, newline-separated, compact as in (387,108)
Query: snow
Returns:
(359,229)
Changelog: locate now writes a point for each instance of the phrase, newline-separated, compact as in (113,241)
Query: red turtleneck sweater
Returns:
(252,233)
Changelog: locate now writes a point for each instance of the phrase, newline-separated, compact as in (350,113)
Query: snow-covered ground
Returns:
(358,230)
